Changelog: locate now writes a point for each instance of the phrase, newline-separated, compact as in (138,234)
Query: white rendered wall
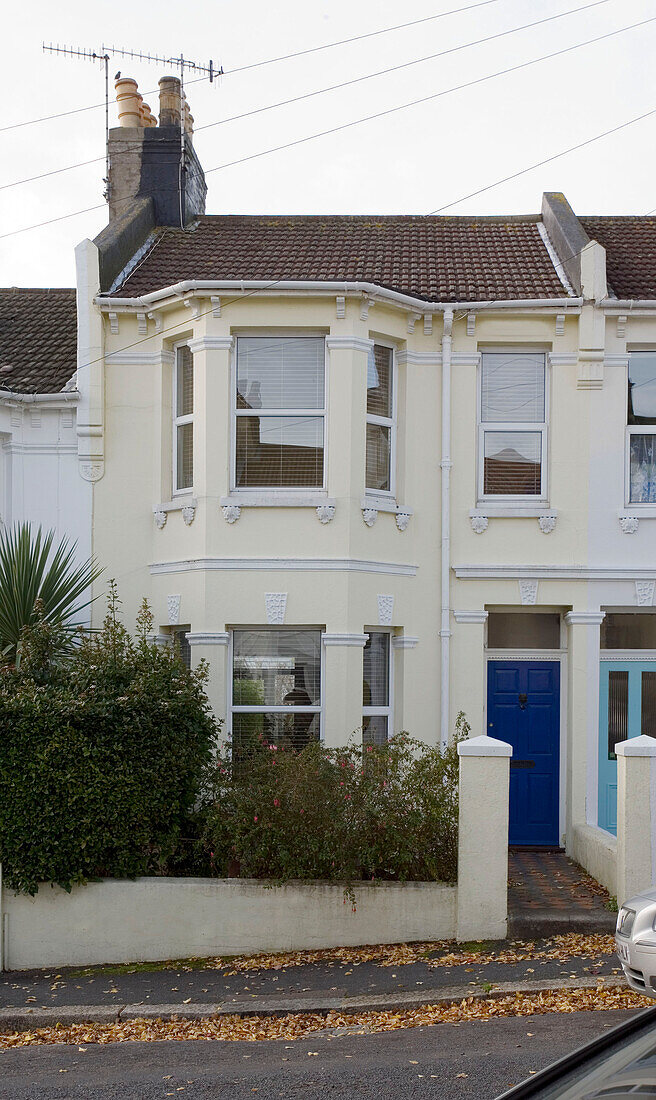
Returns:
(152,919)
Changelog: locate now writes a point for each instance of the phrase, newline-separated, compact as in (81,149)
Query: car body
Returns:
(635,942)
(621,1065)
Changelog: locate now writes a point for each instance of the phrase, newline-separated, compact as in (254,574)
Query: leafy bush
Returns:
(360,812)
(101,755)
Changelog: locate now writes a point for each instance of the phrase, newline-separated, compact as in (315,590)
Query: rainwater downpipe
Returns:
(445,578)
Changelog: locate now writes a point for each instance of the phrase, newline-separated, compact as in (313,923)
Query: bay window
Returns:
(280,408)
(381,400)
(376,689)
(641,431)
(276,688)
(512,425)
(183,419)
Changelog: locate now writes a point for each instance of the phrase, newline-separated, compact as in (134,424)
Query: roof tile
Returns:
(38,338)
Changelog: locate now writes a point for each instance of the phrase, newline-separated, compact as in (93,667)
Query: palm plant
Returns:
(32,572)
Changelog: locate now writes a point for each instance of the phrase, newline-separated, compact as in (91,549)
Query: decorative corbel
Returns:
(142,323)
(412,321)
(621,327)
(157,318)
(340,307)
(194,305)
(216,305)
(365,306)
(113,323)
(560,324)
(471,324)
(428,324)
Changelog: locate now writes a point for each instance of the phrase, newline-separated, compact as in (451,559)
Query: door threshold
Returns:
(535,848)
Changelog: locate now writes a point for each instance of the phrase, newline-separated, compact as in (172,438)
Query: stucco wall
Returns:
(153,919)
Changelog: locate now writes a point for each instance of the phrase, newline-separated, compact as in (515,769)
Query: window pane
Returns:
(277,668)
(181,642)
(512,463)
(293,731)
(514,630)
(185,471)
(512,388)
(277,451)
(618,709)
(379,381)
(643,468)
(185,382)
(648,716)
(379,453)
(628,631)
(374,729)
(642,388)
(375,674)
(280,373)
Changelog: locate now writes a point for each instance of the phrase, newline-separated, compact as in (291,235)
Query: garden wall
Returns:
(152,919)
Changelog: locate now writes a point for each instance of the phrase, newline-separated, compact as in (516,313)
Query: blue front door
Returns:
(523,708)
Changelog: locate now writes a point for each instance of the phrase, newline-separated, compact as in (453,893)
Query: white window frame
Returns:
(636,429)
(276,490)
(380,711)
(386,422)
(179,421)
(315,709)
(528,427)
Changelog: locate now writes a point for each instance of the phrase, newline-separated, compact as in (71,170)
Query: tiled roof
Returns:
(38,338)
(434,258)
(630,245)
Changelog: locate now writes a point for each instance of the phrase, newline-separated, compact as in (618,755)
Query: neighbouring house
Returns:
(376,470)
(39,472)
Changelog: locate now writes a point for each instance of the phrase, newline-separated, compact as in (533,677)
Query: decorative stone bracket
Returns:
(231,512)
(629,525)
(546,522)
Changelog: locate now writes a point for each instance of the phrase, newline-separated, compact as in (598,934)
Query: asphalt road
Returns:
(478,1059)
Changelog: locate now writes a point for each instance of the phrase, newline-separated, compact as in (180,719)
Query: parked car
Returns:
(635,940)
(620,1064)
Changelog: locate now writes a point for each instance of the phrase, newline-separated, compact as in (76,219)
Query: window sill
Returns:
(185,500)
(382,503)
(642,511)
(274,499)
(492,510)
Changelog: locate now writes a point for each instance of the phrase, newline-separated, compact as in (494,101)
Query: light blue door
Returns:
(627,708)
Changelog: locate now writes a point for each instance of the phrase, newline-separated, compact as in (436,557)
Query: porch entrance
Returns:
(523,708)
(627,708)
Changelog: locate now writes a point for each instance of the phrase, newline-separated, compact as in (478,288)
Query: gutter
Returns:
(445,466)
(9,397)
(627,303)
(419,305)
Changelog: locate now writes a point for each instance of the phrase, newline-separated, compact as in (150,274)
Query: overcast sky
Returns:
(410,162)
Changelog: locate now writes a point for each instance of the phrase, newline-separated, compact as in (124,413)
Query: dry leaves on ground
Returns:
(298,1025)
(439,953)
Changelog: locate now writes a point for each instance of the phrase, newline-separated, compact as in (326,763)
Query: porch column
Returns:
(636,816)
(342,689)
(483,839)
(213,648)
(582,719)
(468,670)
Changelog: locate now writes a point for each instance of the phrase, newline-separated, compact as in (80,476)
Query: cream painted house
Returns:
(378,470)
(40,477)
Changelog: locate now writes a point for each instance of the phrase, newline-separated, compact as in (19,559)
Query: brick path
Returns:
(547,891)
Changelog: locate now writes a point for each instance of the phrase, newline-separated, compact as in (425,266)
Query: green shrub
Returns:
(101,756)
(360,812)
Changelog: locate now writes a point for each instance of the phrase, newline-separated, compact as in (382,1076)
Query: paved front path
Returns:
(471,1060)
(549,893)
(53,988)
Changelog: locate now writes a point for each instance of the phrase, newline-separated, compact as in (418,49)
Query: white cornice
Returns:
(404,641)
(470,616)
(302,565)
(349,343)
(419,358)
(465,358)
(212,343)
(553,572)
(139,359)
(220,638)
(345,639)
(585,618)
(556,359)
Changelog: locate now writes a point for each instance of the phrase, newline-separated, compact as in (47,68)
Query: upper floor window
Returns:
(641,419)
(280,409)
(513,425)
(183,420)
(381,400)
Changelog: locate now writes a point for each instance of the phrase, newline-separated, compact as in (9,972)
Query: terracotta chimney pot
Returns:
(128,101)
(169,101)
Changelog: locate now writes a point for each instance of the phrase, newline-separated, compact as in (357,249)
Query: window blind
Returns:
(512,388)
(282,373)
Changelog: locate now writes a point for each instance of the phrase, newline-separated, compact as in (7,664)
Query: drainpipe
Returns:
(445,466)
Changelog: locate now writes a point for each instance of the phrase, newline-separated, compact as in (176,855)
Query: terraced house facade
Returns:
(379,470)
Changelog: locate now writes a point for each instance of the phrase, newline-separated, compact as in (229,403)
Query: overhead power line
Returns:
(270,60)
(381,114)
(331,87)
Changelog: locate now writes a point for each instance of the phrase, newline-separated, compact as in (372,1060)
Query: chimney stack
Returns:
(145,157)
